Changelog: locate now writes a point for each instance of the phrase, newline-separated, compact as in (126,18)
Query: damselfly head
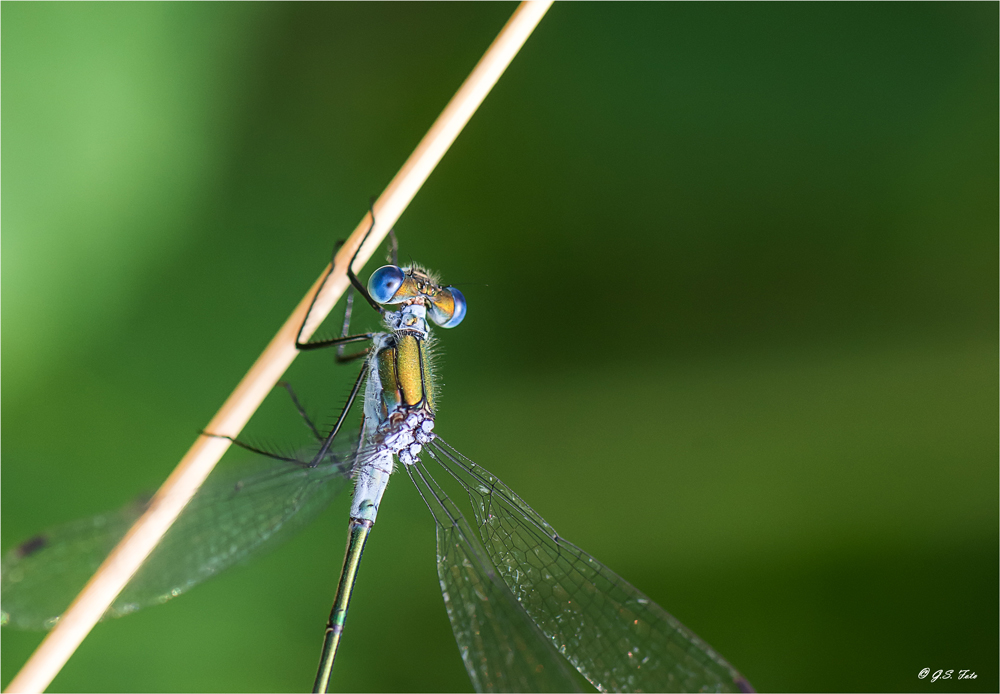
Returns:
(414,285)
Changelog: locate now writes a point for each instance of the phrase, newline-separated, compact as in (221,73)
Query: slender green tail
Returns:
(357,536)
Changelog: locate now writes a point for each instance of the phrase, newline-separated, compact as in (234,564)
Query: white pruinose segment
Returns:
(398,433)
(407,439)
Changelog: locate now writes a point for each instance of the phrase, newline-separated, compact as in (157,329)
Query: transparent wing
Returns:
(40,577)
(502,649)
(615,636)
(234,515)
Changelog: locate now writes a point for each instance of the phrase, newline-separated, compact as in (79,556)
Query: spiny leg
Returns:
(394,259)
(327,441)
(355,284)
(362,289)
(254,449)
(337,341)
(325,448)
(341,357)
(302,411)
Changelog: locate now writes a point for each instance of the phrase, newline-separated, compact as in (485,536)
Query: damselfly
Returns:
(525,604)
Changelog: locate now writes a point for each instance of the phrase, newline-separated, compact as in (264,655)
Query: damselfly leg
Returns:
(338,342)
(301,410)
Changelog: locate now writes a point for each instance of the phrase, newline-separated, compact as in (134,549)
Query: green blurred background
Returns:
(732,281)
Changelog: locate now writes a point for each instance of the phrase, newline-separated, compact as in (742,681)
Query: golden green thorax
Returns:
(404,369)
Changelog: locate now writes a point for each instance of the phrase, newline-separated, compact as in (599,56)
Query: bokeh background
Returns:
(732,285)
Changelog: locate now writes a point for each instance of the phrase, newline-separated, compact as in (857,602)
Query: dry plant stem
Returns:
(183,482)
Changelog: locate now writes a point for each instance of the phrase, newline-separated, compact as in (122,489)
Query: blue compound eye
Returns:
(385,282)
(446,313)
(459,313)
